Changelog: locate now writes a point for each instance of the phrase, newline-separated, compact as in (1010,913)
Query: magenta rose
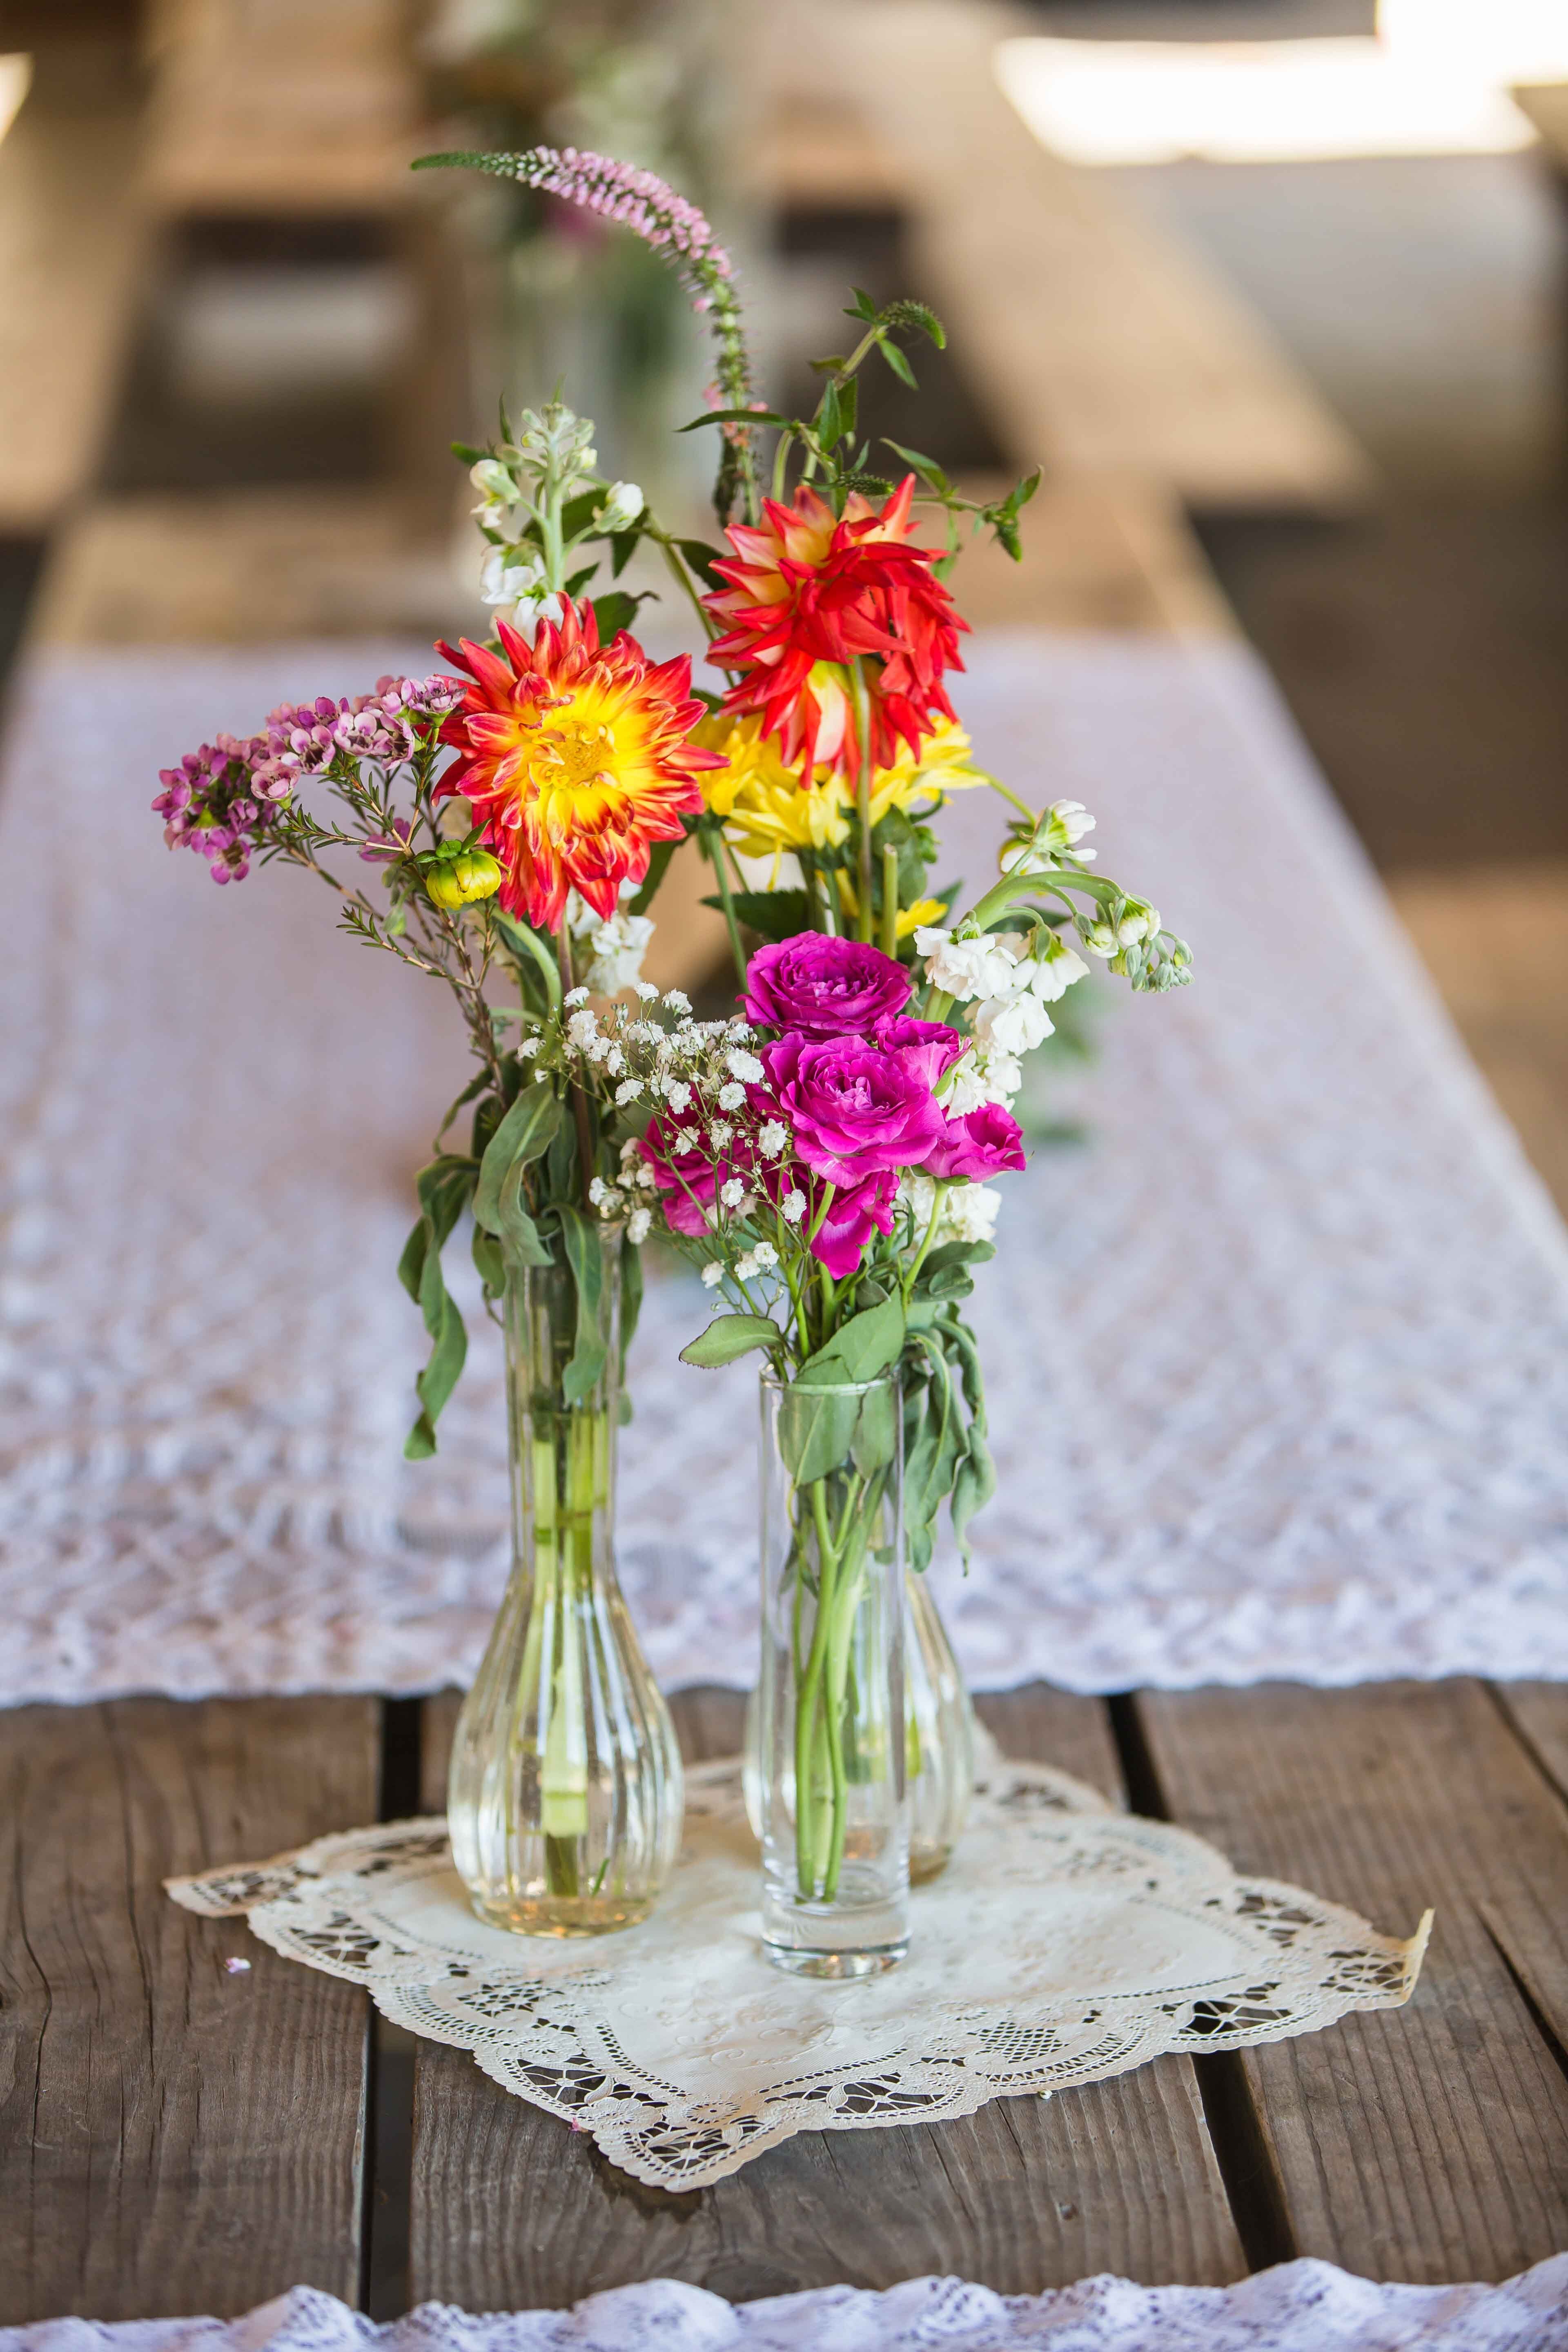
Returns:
(823,987)
(852,1109)
(927,1047)
(839,1242)
(983,1143)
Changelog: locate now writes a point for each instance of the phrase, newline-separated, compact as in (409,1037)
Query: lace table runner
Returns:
(1063,1943)
(1278,1359)
(1302,2306)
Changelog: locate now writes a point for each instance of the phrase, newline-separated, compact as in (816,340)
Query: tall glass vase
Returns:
(830,1693)
(565,1793)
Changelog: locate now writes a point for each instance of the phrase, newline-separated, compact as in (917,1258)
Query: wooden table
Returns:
(175,2138)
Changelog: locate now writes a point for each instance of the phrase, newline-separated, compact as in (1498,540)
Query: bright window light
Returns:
(15,77)
(1433,81)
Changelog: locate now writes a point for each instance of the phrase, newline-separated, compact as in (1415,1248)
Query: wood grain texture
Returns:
(173,2137)
(512,2209)
(1430,2142)
(1539,1713)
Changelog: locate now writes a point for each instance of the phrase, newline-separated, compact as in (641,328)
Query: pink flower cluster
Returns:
(843,1105)
(222,799)
(639,200)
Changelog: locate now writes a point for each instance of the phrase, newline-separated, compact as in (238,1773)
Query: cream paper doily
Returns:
(1064,1942)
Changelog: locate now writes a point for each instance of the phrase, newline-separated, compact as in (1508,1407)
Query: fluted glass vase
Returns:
(565,1793)
(830,1693)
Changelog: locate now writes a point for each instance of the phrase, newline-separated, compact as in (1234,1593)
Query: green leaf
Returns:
(439,1377)
(663,851)
(774,914)
(875,1430)
(860,1350)
(830,417)
(618,611)
(926,467)
(579,581)
(734,417)
(863,307)
(526,945)
(411,1264)
(489,1262)
(728,1337)
(898,362)
(701,558)
(585,1256)
(850,403)
(475,1086)
(521,1138)
(816,1429)
(623,547)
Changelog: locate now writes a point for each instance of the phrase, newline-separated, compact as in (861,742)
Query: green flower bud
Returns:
(457,881)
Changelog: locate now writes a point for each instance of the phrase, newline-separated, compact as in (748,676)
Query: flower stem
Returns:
(579,1099)
(863,793)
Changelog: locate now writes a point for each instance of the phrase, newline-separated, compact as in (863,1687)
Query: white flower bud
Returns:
(622,507)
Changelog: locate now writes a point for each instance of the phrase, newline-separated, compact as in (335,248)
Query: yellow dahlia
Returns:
(574,758)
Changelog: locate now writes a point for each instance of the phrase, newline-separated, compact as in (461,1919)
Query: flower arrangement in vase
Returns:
(824,1153)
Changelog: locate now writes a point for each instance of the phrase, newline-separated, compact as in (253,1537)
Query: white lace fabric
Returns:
(1064,1942)
(1302,2306)
(1278,1359)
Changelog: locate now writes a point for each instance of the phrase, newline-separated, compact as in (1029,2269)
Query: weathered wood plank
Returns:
(512,2209)
(1539,1712)
(1431,2143)
(173,2137)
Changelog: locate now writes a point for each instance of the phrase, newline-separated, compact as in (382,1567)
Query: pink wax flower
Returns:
(852,1109)
(927,1047)
(824,987)
(985,1142)
(839,1242)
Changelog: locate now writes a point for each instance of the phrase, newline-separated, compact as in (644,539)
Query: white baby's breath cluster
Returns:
(650,1058)
(617,946)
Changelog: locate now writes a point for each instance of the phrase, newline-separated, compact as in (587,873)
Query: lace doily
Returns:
(1064,1942)
(1303,2306)
(1288,1397)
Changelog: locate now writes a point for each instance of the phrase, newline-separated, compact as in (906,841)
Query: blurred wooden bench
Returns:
(1104,345)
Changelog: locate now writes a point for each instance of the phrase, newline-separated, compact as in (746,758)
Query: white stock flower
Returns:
(981,1077)
(493,482)
(622,507)
(507,572)
(619,947)
(1012,1024)
(964,968)
(713,1274)
(969,1212)
(1055,970)
(1062,828)
(638,1224)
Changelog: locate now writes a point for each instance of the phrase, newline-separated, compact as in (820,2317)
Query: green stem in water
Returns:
(889,899)
(863,793)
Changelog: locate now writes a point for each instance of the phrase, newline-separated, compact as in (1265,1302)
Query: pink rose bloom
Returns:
(822,987)
(853,1110)
(982,1143)
(927,1047)
(840,1242)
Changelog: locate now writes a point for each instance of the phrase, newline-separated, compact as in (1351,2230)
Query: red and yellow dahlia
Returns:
(809,592)
(574,758)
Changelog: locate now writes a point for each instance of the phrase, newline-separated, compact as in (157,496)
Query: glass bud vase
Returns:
(939,1733)
(941,1739)
(565,1794)
(830,1693)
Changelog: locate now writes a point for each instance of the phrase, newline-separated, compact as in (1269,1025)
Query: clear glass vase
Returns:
(565,1793)
(940,1738)
(830,1693)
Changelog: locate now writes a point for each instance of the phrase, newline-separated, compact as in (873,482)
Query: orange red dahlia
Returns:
(807,593)
(574,758)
